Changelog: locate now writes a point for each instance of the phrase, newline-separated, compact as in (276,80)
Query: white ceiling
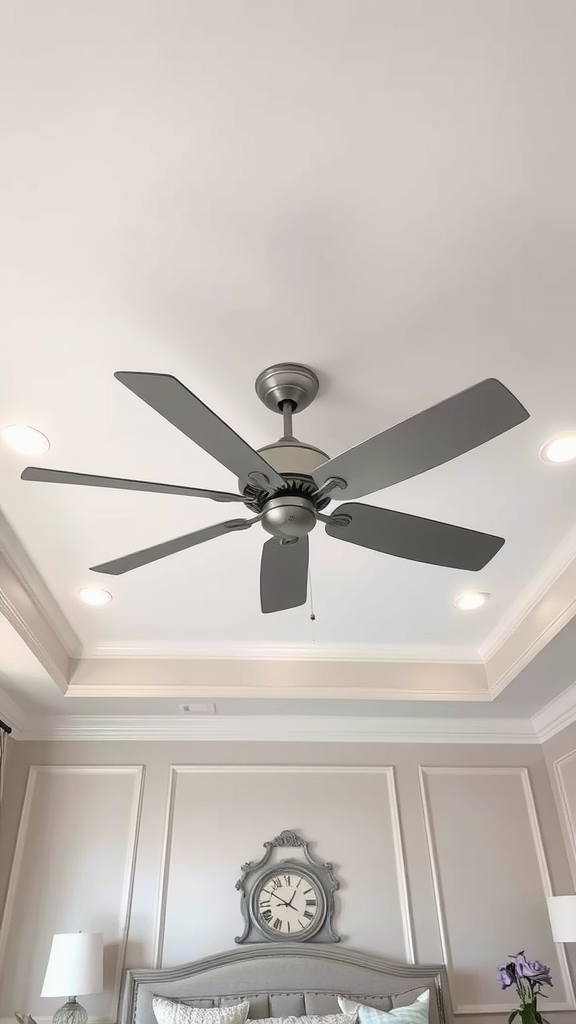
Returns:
(384,192)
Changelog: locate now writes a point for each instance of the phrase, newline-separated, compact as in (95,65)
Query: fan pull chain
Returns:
(312,613)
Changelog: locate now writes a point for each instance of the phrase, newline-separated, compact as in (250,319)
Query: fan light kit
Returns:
(95,596)
(560,449)
(471,600)
(289,483)
(25,440)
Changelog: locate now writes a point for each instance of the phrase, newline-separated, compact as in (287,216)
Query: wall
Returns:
(444,854)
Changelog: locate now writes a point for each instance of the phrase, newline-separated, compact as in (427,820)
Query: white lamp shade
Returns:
(75,965)
(562,911)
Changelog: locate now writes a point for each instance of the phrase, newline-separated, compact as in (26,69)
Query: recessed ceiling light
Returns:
(94,596)
(471,600)
(26,440)
(560,449)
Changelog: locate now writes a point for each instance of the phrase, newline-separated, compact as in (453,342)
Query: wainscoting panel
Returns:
(565,772)
(218,817)
(72,871)
(486,854)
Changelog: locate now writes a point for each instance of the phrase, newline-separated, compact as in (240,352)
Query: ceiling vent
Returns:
(198,709)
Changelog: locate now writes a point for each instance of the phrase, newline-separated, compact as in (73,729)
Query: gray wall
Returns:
(444,854)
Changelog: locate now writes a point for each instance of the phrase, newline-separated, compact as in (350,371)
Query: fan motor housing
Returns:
(289,516)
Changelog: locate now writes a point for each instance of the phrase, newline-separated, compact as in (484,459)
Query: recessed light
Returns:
(471,600)
(560,449)
(26,440)
(94,596)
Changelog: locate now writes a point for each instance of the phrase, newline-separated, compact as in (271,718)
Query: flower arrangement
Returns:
(528,976)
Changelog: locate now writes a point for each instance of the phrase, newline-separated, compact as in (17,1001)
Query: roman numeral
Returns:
(277,924)
(288,923)
(287,880)
(276,884)
(308,915)
(299,883)
(267,915)
(306,891)
(310,903)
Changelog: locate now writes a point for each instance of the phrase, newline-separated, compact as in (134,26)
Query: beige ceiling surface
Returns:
(384,192)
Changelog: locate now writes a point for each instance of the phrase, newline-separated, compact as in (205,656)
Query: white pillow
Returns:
(169,1011)
(328,1018)
(414,1013)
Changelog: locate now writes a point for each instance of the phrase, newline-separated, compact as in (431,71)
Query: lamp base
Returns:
(71,1013)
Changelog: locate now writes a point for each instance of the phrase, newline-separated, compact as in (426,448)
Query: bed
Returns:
(283,980)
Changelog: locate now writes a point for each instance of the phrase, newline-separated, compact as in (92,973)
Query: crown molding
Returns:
(556,715)
(537,587)
(413,653)
(22,565)
(12,714)
(280,728)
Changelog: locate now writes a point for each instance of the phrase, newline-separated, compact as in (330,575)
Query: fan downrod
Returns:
(287,382)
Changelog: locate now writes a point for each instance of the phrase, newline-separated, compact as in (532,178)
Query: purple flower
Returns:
(534,972)
(507,974)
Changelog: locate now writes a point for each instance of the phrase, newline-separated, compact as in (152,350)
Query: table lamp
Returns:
(75,965)
(562,911)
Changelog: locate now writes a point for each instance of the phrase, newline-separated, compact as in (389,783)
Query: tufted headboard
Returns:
(282,980)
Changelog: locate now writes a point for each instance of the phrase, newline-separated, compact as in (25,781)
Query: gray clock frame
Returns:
(254,872)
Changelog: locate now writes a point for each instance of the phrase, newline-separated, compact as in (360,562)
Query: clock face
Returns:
(288,903)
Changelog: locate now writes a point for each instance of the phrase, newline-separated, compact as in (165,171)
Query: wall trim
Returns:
(125,903)
(565,804)
(400,861)
(523,773)
(536,588)
(413,653)
(280,728)
(12,550)
(275,769)
(555,716)
(12,714)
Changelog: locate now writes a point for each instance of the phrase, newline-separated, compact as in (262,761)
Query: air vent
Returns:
(198,709)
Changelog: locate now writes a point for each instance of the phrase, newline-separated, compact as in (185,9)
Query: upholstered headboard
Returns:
(281,980)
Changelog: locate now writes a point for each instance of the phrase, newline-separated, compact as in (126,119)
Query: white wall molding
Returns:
(280,728)
(137,771)
(556,715)
(387,771)
(536,588)
(28,605)
(400,860)
(569,821)
(522,772)
(412,653)
(12,714)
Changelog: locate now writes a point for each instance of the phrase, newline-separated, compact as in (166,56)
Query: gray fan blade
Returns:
(62,476)
(283,575)
(426,440)
(121,565)
(180,407)
(406,536)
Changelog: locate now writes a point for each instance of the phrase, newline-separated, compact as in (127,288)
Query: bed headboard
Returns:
(282,980)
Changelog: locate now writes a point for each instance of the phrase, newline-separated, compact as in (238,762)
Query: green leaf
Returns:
(512,1015)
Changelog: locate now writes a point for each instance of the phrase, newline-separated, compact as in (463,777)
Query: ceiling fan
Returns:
(288,483)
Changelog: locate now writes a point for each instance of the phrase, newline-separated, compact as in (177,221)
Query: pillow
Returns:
(329,1018)
(169,1011)
(414,1013)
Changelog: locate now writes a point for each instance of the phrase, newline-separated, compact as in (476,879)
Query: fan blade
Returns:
(426,440)
(121,565)
(62,476)
(180,407)
(283,574)
(406,536)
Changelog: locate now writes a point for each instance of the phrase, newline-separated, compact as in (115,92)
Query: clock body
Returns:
(287,899)
(287,903)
